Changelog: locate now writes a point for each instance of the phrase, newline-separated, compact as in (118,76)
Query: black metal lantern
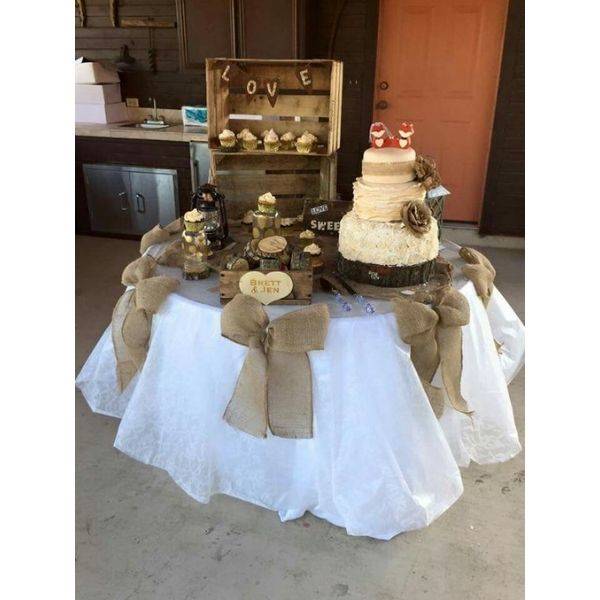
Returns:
(211,205)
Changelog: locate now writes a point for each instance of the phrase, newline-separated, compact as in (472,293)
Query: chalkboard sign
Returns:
(324,217)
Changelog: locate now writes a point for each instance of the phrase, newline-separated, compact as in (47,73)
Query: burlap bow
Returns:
(435,338)
(132,316)
(480,271)
(159,234)
(274,387)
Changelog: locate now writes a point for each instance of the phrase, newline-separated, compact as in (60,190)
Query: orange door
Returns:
(438,64)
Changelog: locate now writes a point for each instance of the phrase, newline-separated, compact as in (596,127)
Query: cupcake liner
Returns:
(272,146)
(227,143)
(304,147)
(193,225)
(250,144)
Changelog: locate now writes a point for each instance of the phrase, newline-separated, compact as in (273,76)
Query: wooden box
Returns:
(316,109)
(243,177)
(301,293)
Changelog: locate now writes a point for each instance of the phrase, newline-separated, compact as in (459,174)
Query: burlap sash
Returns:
(435,338)
(132,316)
(274,388)
(159,234)
(172,255)
(405,168)
(480,271)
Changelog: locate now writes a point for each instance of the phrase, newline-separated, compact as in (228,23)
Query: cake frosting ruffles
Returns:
(389,238)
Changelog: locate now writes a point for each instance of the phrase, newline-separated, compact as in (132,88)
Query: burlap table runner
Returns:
(132,316)
(274,388)
(480,271)
(434,334)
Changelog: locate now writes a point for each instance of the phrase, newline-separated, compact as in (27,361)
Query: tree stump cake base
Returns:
(386,276)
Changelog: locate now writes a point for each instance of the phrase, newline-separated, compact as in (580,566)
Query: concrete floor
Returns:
(139,536)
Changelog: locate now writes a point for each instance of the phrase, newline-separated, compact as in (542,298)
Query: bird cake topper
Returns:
(381,137)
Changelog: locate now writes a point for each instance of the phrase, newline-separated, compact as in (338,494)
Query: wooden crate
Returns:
(229,286)
(242,178)
(317,110)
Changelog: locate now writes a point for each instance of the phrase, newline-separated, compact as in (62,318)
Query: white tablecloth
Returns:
(380,462)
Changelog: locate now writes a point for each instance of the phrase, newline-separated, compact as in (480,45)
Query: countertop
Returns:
(175,133)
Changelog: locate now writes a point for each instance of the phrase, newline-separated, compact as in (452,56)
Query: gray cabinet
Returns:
(128,199)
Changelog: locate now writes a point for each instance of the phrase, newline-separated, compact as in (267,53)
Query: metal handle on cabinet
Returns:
(140,202)
(384,85)
(381,105)
(123,198)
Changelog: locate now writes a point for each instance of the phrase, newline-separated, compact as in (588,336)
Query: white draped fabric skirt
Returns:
(379,463)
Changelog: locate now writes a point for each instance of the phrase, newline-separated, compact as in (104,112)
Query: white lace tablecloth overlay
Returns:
(379,463)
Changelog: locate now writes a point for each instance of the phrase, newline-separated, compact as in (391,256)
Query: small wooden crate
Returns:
(317,110)
(229,286)
(242,178)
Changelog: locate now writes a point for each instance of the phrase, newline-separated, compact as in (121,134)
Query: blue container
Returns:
(195,116)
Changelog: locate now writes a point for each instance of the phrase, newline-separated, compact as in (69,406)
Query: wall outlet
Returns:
(132,102)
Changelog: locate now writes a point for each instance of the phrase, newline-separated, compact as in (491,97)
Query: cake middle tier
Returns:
(384,202)
(390,244)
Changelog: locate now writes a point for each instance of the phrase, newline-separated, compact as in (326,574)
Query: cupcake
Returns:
(312,249)
(242,133)
(305,142)
(306,238)
(249,141)
(287,141)
(271,141)
(193,220)
(316,262)
(267,202)
(227,138)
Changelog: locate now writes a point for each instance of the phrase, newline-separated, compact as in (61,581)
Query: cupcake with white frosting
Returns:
(249,141)
(287,140)
(271,141)
(306,238)
(242,133)
(305,142)
(314,251)
(227,138)
(193,220)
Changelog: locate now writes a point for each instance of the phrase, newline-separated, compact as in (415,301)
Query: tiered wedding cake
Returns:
(390,238)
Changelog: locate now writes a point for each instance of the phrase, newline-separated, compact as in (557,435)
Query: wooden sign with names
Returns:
(266,288)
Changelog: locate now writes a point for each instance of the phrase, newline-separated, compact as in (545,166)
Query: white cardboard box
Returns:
(102,93)
(92,72)
(101,113)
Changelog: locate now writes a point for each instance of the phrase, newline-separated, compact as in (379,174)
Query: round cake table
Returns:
(379,463)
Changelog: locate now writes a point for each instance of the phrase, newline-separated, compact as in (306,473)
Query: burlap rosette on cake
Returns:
(426,172)
(416,216)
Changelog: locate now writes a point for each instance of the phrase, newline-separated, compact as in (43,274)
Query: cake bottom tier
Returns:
(384,275)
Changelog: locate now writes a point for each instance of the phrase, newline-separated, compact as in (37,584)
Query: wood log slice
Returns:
(386,276)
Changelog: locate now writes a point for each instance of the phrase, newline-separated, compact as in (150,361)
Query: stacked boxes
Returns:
(97,94)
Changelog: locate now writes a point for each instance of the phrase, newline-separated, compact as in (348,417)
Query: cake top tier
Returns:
(390,159)
(389,155)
